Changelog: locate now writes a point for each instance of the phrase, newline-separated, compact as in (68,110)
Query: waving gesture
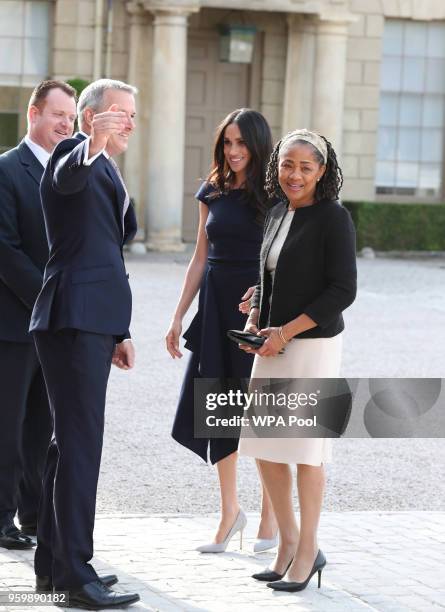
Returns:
(104,125)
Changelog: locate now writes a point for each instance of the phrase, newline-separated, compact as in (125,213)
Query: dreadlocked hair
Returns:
(329,185)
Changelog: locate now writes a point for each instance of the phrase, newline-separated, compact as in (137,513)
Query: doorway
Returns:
(214,89)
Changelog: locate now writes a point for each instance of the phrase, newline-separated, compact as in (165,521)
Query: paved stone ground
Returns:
(383,525)
(377,561)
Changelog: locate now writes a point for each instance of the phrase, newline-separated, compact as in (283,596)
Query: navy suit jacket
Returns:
(85,282)
(23,243)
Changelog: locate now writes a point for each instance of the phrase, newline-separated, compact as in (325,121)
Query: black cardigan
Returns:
(316,270)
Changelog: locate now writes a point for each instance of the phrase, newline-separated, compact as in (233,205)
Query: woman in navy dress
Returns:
(232,207)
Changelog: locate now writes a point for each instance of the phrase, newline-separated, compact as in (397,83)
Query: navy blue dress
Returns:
(232,267)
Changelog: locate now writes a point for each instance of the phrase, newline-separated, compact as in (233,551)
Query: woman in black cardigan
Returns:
(308,277)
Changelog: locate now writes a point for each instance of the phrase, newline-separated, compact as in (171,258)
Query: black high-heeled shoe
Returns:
(292,587)
(269,575)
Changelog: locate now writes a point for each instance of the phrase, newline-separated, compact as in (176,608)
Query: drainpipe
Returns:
(109,41)
(98,39)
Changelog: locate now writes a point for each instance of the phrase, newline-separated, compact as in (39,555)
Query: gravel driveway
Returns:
(396,328)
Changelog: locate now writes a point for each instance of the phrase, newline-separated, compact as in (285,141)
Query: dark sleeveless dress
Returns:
(232,267)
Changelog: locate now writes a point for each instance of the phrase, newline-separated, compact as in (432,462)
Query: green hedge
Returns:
(78,84)
(399,227)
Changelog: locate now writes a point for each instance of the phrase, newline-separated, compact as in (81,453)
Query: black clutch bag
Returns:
(244,337)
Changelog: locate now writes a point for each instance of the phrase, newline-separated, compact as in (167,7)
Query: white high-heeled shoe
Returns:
(238,525)
(263,544)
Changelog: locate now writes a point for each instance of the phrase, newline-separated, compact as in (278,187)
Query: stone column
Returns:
(166,136)
(297,106)
(329,80)
(139,75)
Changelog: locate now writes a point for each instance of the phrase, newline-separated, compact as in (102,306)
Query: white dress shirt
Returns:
(39,152)
(88,162)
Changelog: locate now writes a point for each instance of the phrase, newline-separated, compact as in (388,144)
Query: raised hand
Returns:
(104,125)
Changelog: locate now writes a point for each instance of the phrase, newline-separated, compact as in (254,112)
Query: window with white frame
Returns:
(24,41)
(410,156)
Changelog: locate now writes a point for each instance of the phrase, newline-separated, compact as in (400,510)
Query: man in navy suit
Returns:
(80,325)
(25,420)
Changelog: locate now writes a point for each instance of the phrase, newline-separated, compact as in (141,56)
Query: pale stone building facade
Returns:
(368,74)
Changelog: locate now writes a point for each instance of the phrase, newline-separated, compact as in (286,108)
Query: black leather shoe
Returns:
(95,596)
(29,530)
(269,575)
(13,539)
(44,584)
(292,587)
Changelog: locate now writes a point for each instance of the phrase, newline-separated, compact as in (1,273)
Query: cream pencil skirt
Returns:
(303,358)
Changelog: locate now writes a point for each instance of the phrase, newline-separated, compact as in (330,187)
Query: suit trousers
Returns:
(76,366)
(25,432)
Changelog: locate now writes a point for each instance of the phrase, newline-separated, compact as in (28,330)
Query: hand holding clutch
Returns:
(244,337)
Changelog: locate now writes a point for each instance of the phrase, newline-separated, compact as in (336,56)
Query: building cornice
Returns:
(335,11)
(175,7)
